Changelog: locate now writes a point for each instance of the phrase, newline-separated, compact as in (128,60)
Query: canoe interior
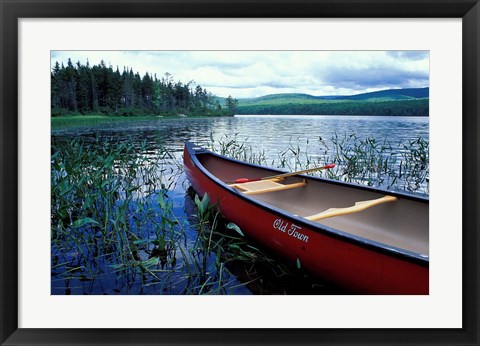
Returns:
(402,224)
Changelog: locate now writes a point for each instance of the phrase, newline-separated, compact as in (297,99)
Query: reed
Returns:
(115,229)
(103,213)
(402,167)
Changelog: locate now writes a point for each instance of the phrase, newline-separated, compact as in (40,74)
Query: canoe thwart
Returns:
(359,206)
(283,175)
(264,186)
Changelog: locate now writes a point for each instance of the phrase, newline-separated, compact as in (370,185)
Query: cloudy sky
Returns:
(255,73)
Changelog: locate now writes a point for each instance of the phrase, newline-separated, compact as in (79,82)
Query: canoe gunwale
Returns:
(389,250)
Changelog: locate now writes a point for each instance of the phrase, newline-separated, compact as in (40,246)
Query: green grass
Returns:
(65,122)
(93,120)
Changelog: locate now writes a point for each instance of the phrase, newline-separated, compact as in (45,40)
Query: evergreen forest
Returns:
(99,89)
(417,107)
(395,102)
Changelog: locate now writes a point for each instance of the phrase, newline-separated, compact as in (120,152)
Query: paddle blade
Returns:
(329,166)
(245,180)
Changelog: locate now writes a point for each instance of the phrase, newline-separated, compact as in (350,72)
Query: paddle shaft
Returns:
(359,206)
(284,175)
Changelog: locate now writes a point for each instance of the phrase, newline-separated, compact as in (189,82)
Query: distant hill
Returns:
(385,102)
(281,97)
(383,95)
(390,94)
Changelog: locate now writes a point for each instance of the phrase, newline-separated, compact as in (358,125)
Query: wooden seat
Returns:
(264,186)
(359,206)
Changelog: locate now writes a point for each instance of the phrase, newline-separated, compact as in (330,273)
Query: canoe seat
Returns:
(359,206)
(263,186)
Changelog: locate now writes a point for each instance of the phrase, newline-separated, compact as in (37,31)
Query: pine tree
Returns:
(98,88)
(231,105)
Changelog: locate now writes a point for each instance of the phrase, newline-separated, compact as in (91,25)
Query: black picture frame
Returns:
(11,11)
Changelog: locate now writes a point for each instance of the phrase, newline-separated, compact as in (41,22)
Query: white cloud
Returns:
(256,73)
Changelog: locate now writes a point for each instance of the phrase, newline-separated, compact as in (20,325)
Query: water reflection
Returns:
(269,133)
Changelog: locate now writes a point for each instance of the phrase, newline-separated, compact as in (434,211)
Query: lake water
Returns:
(267,132)
(273,137)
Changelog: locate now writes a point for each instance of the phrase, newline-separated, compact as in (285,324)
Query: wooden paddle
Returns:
(284,175)
(359,206)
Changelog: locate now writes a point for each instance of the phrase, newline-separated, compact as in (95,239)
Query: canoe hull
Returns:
(345,263)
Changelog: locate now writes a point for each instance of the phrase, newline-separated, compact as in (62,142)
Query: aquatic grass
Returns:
(114,229)
(395,166)
(402,167)
(103,208)
(232,255)
(233,147)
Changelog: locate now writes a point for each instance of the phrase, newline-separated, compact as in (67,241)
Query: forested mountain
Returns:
(385,95)
(406,102)
(382,95)
(98,89)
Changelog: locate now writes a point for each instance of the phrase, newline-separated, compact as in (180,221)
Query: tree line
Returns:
(98,89)
(396,108)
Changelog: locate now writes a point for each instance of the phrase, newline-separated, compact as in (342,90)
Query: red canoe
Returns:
(366,240)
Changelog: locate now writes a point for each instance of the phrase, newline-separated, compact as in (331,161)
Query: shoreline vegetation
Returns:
(71,121)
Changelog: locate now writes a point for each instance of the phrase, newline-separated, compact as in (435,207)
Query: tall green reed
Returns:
(115,230)
(107,214)
(402,166)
